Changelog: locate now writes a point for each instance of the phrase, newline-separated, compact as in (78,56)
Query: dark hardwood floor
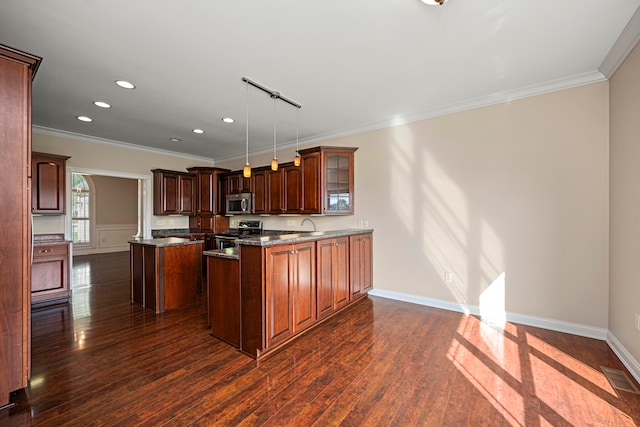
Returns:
(101,360)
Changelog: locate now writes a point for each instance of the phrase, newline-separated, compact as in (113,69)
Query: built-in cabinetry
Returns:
(50,268)
(174,193)
(327,180)
(286,288)
(207,203)
(333,275)
(165,273)
(322,184)
(17,70)
(48,183)
(361,265)
(290,290)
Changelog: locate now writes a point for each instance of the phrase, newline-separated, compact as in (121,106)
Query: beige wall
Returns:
(624,290)
(116,200)
(519,188)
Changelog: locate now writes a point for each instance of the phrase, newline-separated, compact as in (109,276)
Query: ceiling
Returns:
(352,65)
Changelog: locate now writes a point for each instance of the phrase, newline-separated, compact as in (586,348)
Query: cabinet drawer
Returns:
(48,250)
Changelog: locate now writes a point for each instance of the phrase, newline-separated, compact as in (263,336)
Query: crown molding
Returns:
(94,139)
(622,47)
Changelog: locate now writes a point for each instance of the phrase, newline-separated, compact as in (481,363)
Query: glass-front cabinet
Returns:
(327,180)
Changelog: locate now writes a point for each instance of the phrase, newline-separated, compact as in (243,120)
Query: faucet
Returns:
(311,221)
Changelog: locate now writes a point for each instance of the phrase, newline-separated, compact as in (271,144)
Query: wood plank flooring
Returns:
(102,361)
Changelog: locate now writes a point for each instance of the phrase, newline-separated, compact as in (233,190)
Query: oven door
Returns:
(225,242)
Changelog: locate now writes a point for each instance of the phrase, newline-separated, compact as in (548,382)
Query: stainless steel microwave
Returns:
(239,203)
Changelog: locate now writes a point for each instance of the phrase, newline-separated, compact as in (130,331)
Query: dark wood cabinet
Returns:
(275,184)
(165,276)
(332,275)
(17,70)
(50,271)
(261,190)
(207,200)
(292,185)
(174,193)
(289,291)
(223,291)
(328,180)
(48,179)
(237,183)
(361,264)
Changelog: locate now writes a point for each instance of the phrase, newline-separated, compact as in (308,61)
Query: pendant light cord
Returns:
(247,129)
(274,125)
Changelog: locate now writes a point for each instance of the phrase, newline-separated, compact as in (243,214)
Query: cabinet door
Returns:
(237,183)
(205,196)
(338,172)
(304,286)
(311,183)
(187,192)
(48,178)
(260,195)
(165,193)
(361,255)
(332,275)
(341,294)
(325,277)
(276,192)
(50,272)
(292,176)
(279,324)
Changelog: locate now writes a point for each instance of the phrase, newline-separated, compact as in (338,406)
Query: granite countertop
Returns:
(228,253)
(49,239)
(299,236)
(165,241)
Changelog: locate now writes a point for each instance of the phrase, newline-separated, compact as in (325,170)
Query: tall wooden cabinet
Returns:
(174,193)
(17,70)
(207,200)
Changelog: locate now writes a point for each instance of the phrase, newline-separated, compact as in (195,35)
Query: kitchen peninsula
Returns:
(165,272)
(270,289)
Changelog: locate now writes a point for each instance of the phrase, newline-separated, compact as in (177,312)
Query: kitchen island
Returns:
(165,272)
(272,288)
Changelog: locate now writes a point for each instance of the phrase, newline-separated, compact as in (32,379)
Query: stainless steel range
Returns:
(245,228)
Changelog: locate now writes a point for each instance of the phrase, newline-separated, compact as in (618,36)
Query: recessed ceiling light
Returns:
(125,84)
(228,120)
(434,2)
(101,104)
(198,131)
(84,118)
(175,139)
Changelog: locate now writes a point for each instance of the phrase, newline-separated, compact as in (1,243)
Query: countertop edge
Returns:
(165,241)
(303,236)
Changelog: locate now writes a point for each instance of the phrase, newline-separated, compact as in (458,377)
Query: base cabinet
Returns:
(285,289)
(165,277)
(361,264)
(50,272)
(289,291)
(333,275)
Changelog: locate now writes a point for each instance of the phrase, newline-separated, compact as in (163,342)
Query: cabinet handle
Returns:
(44,251)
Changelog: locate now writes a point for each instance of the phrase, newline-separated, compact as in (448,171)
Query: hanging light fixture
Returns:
(296,159)
(274,162)
(246,171)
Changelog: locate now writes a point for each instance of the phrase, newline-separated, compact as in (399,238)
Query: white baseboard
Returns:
(627,359)
(554,325)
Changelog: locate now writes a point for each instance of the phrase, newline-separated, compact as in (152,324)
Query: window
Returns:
(80,210)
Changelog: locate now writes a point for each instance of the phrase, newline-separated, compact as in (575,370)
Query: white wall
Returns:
(624,290)
(515,191)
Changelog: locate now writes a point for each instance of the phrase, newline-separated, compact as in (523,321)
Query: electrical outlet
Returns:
(365,223)
(160,222)
(448,277)
(291,223)
(170,222)
(638,321)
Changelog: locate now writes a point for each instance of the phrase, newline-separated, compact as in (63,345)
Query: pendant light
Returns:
(274,162)
(296,159)
(246,171)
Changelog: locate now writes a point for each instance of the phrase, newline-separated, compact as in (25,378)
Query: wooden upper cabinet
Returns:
(237,183)
(260,190)
(173,193)
(328,180)
(292,183)
(48,173)
(207,198)
(276,191)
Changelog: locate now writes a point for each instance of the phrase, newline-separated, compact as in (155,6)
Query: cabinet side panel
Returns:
(14,241)
(251,299)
